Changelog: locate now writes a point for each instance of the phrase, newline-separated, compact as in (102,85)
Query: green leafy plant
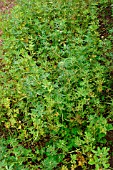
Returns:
(100,158)
(56,97)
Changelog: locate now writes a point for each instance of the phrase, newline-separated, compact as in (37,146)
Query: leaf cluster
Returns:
(56,92)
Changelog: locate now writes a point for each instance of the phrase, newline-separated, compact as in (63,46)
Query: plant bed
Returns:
(56,89)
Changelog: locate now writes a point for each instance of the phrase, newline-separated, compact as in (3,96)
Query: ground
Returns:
(6,6)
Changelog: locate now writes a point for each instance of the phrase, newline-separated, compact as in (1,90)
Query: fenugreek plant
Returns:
(56,92)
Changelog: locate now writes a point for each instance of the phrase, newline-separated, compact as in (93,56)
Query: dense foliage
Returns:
(56,86)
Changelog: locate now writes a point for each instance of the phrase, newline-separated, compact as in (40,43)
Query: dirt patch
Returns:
(109,138)
(6,5)
(106,21)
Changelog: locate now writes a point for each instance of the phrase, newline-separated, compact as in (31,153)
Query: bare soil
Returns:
(109,138)
(6,5)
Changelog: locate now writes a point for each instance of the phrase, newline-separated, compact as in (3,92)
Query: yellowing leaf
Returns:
(12,120)
(19,127)
(7,125)
(73,167)
(99,88)
(7,103)
(81,159)
(64,167)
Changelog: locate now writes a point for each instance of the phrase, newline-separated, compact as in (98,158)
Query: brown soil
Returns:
(6,5)
(106,23)
(109,138)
